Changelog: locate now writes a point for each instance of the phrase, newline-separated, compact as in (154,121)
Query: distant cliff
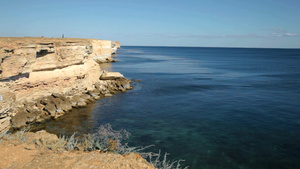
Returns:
(24,55)
(43,78)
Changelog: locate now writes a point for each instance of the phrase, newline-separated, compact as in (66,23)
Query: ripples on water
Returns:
(213,107)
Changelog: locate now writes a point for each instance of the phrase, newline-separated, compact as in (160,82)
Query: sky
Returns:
(200,23)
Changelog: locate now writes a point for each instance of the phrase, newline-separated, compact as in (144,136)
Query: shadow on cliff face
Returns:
(14,78)
(42,52)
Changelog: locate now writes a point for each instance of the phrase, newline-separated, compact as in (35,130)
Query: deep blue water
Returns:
(214,107)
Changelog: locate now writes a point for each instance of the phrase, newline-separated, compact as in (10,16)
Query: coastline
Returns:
(44,78)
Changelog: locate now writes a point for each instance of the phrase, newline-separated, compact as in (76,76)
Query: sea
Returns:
(215,108)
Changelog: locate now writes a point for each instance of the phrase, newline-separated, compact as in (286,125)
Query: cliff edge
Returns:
(31,150)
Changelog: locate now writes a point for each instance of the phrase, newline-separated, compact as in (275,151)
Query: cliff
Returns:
(24,55)
(43,78)
(115,46)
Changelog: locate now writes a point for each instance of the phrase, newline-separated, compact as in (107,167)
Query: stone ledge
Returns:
(111,76)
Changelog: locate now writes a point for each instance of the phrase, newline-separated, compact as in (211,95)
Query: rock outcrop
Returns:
(44,78)
(115,46)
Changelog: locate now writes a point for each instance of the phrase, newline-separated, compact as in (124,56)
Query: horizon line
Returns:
(153,45)
(211,47)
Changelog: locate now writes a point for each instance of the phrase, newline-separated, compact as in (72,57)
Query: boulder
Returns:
(108,95)
(19,119)
(111,76)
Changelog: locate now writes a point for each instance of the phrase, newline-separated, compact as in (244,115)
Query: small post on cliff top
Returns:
(63,36)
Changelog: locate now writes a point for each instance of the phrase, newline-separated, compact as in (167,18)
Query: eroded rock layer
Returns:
(44,78)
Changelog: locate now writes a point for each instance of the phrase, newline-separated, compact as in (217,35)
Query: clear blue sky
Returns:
(207,23)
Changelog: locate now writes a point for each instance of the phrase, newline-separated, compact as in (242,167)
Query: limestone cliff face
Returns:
(24,55)
(42,78)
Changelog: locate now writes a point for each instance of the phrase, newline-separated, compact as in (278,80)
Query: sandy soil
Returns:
(17,154)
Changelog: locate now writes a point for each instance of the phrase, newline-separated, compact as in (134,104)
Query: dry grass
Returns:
(161,162)
(19,135)
(105,139)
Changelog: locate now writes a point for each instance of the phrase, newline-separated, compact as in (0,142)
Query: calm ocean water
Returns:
(229,108)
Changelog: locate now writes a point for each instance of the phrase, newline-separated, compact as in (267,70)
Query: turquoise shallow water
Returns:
(213,107)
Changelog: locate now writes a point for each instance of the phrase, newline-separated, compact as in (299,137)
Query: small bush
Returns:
(107,139)
(162,162)
(72,143)
(62,143)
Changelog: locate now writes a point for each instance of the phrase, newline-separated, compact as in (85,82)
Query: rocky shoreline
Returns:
(42,78)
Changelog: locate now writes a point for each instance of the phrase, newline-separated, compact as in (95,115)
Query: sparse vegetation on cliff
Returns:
(105,140)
